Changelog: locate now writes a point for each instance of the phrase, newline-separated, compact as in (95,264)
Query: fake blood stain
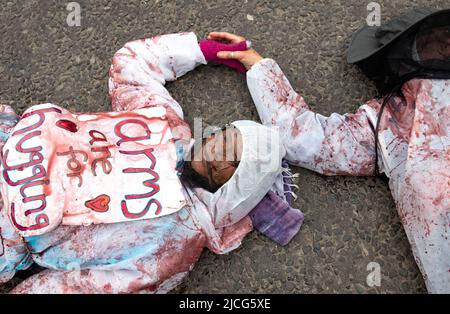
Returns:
(67,125)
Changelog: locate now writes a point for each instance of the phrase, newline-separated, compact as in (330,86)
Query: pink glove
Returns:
(210,48)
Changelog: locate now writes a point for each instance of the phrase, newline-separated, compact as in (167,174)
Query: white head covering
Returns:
(258,170)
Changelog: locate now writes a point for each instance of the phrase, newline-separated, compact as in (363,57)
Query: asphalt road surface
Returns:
(350,222)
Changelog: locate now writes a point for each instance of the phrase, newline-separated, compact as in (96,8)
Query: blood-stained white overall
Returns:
(150,255)
(414,153)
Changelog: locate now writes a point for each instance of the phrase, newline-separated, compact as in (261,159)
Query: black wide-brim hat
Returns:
(369,40)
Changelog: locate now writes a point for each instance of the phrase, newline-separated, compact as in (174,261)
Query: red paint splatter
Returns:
(67,125)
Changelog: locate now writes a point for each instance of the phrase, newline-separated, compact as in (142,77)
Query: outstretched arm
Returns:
(141,68)
(334,145)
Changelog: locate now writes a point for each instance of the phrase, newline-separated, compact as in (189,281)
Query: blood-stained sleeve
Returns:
(13,251)
(229,238)
(141,68)
(334,145)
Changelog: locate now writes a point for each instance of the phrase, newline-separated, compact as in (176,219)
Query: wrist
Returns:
(255,60)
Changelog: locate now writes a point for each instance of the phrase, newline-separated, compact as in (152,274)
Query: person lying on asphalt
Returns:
(125,201)
(413,145)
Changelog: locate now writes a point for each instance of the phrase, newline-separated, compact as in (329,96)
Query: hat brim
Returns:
(364,43)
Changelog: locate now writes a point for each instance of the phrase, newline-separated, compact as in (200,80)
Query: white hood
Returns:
(258,170)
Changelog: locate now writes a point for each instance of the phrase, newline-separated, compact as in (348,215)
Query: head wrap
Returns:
(258,170)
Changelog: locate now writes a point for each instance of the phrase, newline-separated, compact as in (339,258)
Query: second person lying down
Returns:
(413,146)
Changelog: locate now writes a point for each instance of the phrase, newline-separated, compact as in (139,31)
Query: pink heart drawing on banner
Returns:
(99,204)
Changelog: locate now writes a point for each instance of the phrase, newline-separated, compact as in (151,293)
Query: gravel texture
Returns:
(350,221)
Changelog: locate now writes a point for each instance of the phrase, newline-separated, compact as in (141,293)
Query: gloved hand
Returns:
(210,48)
